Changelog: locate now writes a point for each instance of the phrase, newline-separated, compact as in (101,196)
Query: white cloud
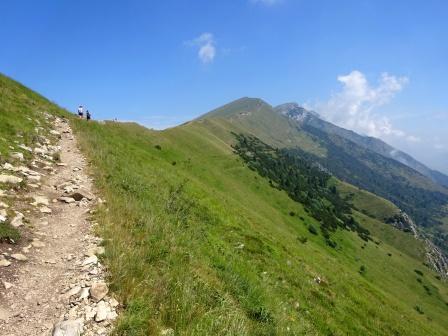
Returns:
(207,47)
(266,2)
(353,107)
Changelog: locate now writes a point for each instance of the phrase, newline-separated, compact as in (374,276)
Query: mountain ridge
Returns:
(198,243)
(342,152)
(304,116)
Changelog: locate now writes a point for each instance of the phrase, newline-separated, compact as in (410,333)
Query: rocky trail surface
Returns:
(52,282)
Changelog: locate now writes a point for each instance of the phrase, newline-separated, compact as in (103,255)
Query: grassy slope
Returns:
(19,116)
(198,242)
(175,232)
(252,115)
(372,205)
(372,210)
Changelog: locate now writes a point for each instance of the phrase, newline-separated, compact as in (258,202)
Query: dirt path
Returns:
(61,278)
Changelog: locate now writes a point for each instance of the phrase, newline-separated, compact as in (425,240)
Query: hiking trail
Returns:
(52,282)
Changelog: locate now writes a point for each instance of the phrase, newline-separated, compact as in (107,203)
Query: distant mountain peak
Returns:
(296,112)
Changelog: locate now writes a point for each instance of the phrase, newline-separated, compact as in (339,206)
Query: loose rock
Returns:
(90,260)
(10,179)
(7,285)
(102,310)
(66,199)
(19,257)
(17,221)
(69,328)
(98,291)
(4,263)
(17,156)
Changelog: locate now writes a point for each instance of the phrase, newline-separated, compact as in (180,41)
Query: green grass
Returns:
(197,242)
(254,116)
(7,233)
(21,112)
(366,202)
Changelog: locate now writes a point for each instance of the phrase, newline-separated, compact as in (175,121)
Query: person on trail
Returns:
(88,116)
(80,111)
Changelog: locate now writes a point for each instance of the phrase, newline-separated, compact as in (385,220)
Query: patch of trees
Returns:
(304,181)
(380,175)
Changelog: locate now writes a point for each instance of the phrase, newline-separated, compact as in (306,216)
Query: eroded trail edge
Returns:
(53,282)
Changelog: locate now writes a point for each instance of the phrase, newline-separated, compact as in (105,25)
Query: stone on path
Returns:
(84,293)
(80,194)
(17,156)
(45,210)
(17,221)
(4,263)
(40,200)
(74,291)
(67,199)
(10,179)
(7,285)
(90,260)
(19,257)
(98,291)
(34,178)
(37,243)
(69,328)
(102,310)
(97,250)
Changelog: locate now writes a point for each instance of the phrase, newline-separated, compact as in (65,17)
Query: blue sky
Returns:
(378,67)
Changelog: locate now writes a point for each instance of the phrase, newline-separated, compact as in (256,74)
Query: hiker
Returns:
(80,112)
(88,116)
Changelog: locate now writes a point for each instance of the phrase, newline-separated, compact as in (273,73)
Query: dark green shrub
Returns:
(312,230)
(303,240)
(362,270)
(419,310)
(418,272)
(331,243)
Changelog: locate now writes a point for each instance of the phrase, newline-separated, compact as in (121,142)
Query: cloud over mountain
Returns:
(353,107)
(206,47)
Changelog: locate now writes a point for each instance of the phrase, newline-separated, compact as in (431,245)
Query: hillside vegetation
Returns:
(199,243)
(344,154)
(21,124)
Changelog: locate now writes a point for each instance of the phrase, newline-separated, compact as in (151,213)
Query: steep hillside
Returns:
(217,250)
(347,155)
(22,124)
(197,243)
